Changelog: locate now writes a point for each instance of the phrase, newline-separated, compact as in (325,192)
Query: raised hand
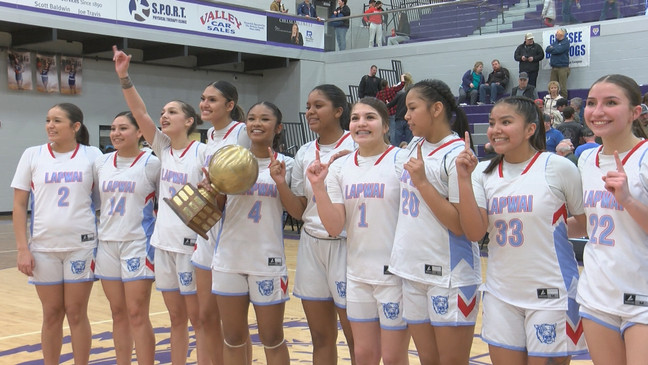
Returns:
(122,62)
(466,160)
(277,168)
(317,171)
(616,182)
(416,167)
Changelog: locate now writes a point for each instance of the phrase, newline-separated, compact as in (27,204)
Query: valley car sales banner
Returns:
(176,16)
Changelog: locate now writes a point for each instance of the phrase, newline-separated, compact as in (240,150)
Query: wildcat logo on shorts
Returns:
(185,277)
(391,310)
(440,304)
(266,287)
(546,333)
(78,267)
(133,264)
(341,288)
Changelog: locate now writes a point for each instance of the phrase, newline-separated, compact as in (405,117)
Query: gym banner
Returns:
(579,45)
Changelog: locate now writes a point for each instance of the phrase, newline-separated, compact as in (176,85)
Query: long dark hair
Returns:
(532,115)
(75,114)
(189,112)
(631,91)
(338,98)
(276,142)
(230,93)
(432,91)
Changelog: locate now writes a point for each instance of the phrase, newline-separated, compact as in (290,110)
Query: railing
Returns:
(442,19)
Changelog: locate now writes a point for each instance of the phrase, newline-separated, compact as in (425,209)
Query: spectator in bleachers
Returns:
(567,16)
(561,104)
(401,134)
(559,60)
(341,26)
(550,99)
(549,13)
(470,83)
(402,33)
(569,127)
(276,5)
(610,5)
(388,93)
(577,104)
(643,118)
(307,9)
(566,150)
(588,137)
(375,24)
(529,54)
(552,135)
(524,87)
(495,84)
(369,84)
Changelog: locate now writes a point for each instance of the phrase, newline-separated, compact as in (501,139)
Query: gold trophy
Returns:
(232,170)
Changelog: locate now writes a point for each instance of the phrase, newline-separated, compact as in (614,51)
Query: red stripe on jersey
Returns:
(575,335)
(75,151)
(466,308)
(528,166)
(561,212)
(149,197)
(344,136)
(444,145)
(92,266)
(150,265)
(355,157)
(185,150)
(229,131)
(284,284)
(49,148)
(636,147)
(137,158)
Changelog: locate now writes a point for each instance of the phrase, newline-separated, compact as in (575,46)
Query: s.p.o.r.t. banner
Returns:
(191,17)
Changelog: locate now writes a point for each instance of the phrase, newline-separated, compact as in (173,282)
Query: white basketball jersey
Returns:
(369,188)
(61,186)
(302,187)
(433,255)
(127,190)
(531,262)
(615,278)
(177,169)
(250,240)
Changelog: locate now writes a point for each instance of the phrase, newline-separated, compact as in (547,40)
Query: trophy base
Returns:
(196,209)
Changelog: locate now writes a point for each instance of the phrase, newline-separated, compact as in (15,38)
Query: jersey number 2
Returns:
(63,192)
(606,224)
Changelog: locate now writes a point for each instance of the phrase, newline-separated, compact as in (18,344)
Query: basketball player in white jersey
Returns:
(363,196)
(522,198)
(128,180)
(58,256)
(613,290)
(218,106)
(260,275)
(320,278)
(181,161)
(440,267)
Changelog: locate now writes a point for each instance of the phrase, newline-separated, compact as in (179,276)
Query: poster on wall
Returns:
(579,46)
(295,32)
(46,74)
(19,70)
(71,75)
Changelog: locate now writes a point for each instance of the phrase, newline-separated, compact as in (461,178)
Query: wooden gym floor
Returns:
(21,320)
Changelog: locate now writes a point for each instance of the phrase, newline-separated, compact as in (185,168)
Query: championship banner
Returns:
(46,74)
(19,70)
(71,75)
(579,45)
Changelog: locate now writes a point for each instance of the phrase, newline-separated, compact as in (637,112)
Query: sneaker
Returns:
(463,104)
(480,103)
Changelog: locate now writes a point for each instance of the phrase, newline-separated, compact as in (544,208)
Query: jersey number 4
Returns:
(255,212)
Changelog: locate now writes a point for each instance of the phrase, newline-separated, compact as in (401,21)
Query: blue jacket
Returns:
(304,10)
(559,51)
(468,78)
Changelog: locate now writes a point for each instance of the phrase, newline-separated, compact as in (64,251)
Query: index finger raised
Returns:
(467,140)
(272,155)
(619,163)
(419,152)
